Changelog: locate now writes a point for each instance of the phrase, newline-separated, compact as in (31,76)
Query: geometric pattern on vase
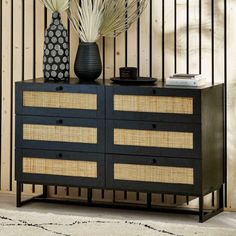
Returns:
(56,51)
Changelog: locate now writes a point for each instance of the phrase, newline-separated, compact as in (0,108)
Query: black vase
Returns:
(88,65)
(56,51)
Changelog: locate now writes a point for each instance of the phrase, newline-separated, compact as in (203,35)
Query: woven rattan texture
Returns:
(60,133)
(154,104)
(60,100)
(149,138)
(60,167)
(147,173)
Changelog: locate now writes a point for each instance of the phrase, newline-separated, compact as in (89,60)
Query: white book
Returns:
(187,76)
(185,82)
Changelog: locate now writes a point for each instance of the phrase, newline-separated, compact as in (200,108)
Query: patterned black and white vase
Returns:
(56,51)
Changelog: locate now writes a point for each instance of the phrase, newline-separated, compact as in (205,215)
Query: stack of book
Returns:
(191,80)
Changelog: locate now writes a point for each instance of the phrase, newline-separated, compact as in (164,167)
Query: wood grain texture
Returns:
(17,72)
(6,83)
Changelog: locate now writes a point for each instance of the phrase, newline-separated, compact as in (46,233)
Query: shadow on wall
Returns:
(194,42)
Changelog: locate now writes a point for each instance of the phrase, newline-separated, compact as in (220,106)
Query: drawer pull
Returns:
(154,91)
(59,122)
(60,155)
(154,161)
(60,88)
(154,126)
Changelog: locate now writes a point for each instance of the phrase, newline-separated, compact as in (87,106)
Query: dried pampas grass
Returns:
(104,18)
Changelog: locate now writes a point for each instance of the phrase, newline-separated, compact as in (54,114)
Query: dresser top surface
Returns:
(107,82)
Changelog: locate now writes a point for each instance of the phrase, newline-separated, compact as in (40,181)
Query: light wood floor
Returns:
(225,219)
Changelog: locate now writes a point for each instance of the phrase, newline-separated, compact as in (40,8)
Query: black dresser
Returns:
(152,139)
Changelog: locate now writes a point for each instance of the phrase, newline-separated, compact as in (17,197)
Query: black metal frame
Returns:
(204,215)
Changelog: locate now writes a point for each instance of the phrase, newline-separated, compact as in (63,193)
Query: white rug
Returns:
(18,223)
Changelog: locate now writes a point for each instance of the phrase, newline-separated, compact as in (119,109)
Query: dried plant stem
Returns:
(104,18)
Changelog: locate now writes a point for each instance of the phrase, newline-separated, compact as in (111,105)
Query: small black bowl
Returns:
(129,73)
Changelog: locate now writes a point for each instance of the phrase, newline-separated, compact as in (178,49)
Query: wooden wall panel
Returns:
(171,36)
(6,84)
(17,72)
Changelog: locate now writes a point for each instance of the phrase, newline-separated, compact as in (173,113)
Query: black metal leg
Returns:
(114,196)
(18,194)
(203,216)
(221,197)
(201,210)
(45,191)
(149,200)
(90,195)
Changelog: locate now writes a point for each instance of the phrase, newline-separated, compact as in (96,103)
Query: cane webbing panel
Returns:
(60,133)
(60,167)
(154,104)
(149,138)
(147,173)
(60,100)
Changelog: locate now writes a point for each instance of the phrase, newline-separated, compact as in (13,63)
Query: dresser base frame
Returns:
(203,214)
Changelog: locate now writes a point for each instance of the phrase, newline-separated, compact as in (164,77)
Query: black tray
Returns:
(140,80)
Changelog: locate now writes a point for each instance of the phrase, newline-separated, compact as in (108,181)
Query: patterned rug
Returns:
(18,223)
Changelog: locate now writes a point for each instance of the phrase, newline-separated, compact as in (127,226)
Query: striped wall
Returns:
(189,36)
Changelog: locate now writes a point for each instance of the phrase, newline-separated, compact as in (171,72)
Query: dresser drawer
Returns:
(59,168)
(148,138)
(140,103)
(56,99)
(60,133)
(159,174)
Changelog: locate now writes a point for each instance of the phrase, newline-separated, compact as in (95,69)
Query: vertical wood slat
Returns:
(29,51)
(169,38)
(0,91)
(194,36)
(226,162)
(120,53)
(181,36)
(17,70)
(206,58)
(6,95)
(144,51)
(157,39)
(218,41)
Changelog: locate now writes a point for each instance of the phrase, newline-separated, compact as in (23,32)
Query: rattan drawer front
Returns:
(52,99)
(60,167)
(59,133)
(147,103)
(70,134)
(161,174)
(153,104)
(154,174)
(147,138)
(150,138)
(60,100)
